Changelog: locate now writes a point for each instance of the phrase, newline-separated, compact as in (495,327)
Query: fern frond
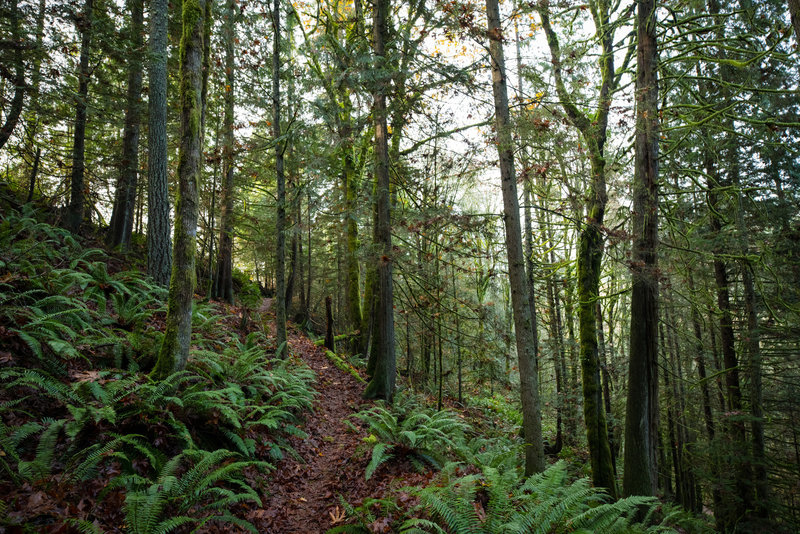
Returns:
(380,454)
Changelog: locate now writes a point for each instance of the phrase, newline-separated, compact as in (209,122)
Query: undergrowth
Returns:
(423,435)
(79,413)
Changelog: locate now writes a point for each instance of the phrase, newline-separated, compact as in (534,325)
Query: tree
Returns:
(121,225)
(794,13)
(280,215)
(523,325)
(174,350)
(18,78)
(641,422)
(594,131)
(223,275)
(77,185)
(159,259)
(382,382)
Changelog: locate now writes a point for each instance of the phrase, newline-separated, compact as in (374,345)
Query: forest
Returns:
(434,266)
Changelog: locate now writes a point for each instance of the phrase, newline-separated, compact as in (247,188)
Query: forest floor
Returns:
(306,493)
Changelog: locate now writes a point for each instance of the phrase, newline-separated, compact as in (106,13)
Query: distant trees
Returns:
(121,224)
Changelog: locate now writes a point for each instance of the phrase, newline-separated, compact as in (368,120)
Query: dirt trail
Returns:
(304,496)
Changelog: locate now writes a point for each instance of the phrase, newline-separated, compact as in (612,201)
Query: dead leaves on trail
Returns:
(306,497)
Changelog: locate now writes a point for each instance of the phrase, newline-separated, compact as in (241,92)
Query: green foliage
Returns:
(70,313)
(244,390)
(680,519)
(345,366)
(496,501)
(422,434)
(364,516)
(56,298)
(206,490)
(498,408)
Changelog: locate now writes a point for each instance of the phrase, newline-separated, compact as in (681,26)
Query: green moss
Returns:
(344,366)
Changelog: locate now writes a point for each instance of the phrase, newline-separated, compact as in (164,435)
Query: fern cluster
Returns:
(495,500)
(173,498)
(61,301)
(180,447)
(421,434)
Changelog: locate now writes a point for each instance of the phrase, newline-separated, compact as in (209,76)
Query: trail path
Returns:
(304,497)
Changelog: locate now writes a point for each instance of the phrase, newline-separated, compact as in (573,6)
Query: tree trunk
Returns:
(572,412)
(12,117)
(641,417)
(382,383)
(670,400)
(590,252)
(605,380)
(280,219)
(77,186)
(159,258)
(330,341)
(175,347)
(34,173)
(222,288)
(794,14)
(121,225)
(702,375)
(33,114)
(458,336)
(523,322)
(351,230)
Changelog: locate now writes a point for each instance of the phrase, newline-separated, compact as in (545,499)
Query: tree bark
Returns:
(77,186)
(159,257)
(330,341)
(641,418)
(382,383)
(223,277)
(32,116)
(280,219)
(121,225)
(794,14)
(174,350)
(523,322)
(17,101)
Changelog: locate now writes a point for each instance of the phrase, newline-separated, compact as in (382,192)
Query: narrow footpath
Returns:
(304,496)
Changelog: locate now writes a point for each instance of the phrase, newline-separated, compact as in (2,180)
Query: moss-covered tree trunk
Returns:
(523,322)
(280,217)
(174,350)
(222,288)
(350,188)
(121,224)
(641,419)
(159,257)
(594,130)
(77,199)
(590,253)
(382,383)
